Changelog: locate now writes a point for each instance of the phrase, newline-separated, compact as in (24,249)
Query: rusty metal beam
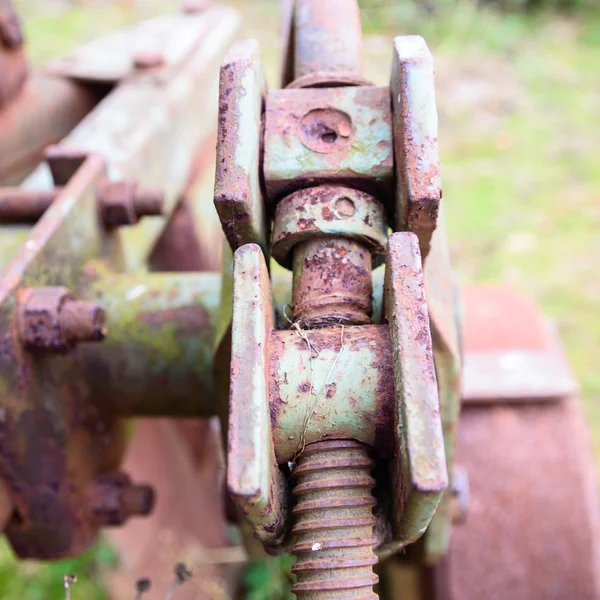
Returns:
(149,127)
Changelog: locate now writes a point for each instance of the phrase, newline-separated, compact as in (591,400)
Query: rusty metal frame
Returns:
(55,403)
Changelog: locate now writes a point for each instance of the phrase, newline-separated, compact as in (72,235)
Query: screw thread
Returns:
(334,522)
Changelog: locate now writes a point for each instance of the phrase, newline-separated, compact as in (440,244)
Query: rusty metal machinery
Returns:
(333,344)
(110,288)
(345,382)
(320,407)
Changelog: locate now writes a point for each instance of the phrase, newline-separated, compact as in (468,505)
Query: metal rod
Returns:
(332,283)
(328,37)
(19,205)
(157,358)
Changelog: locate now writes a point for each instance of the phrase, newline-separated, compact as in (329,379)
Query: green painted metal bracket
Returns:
(254,479)
(415,139)
(330,135)
(238,195)
(420,476)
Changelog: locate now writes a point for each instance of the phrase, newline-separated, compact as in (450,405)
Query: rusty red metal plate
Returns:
(532,528)
(511,352)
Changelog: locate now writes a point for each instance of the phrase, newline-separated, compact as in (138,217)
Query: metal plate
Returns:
(420,474)
(532,529)
(415,123)
(512,353)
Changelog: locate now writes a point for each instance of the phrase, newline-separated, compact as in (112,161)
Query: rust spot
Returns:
(187,318)
(304,387)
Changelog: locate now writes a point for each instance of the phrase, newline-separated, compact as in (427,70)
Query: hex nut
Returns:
(125,202)
(114,499)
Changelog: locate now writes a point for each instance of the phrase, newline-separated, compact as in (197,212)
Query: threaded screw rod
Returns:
(334,522)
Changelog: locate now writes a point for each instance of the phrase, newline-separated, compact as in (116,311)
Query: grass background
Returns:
(519,102)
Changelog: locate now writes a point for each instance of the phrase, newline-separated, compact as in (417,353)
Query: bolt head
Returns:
(38,318)
(117,202)
(51,319)
(114,498)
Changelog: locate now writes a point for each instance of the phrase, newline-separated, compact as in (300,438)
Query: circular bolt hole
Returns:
(344,207)
(325,130)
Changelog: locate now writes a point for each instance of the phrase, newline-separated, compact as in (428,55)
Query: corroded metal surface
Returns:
(19,205)
(61,439)
(332,135)
(328,166)
(327,37)
(238,194)
(328,211)
(333,529)
(420,475)
(332,283)
(114,499)
(418,192)
(125,202)
(119,203)
(51,517)
(520,358)
(183,462)
(342,387)
(533,498)
(157,358)
(156,147)
(50,318)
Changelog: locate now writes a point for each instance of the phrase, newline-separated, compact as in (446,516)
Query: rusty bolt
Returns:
(24,206)
(148,59)
(125,202)
(51,318)
(114,499)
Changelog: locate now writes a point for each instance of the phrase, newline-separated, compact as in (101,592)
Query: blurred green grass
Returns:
(36,581)
(519,101)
